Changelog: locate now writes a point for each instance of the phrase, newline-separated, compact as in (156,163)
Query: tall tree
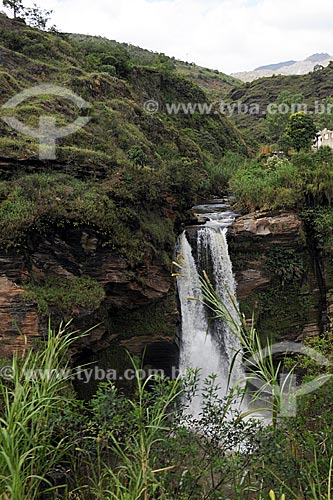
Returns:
(16,7)
(37,17)
(324,114)
(301,130)
(34,16)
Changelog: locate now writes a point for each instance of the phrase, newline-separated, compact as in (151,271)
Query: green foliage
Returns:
(324,118)
(165,64)
(68,296)
(137,475)
(308,367)
(212,80)
(304,180)
(280,309)
(148,444)
(302,460)
(321,219)
(219,174)
(39,199)
(269,186)
(285,144)
(137,156)
(104,56)
(286,265)
(300,130)
(280,111)
(286,302)
(316,87)
(28,401)
(143,444)
(295,454)
(42,202)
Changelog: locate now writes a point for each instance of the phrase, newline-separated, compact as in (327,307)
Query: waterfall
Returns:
(198,348)
(208,346)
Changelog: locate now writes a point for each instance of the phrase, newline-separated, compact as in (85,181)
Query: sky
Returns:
(228,35)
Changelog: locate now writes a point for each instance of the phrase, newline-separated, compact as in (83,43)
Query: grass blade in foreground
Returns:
(27,453)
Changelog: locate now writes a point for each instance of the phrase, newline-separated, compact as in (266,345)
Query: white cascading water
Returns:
(205,346)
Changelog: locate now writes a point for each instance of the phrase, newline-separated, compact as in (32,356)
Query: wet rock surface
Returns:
(138,302)
(277,274)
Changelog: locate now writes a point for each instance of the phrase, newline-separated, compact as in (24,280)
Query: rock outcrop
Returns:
(280,224)
(19,323)
(139,306)
(278,275)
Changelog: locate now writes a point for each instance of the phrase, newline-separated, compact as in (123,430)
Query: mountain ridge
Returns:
(276,65)
(285,68)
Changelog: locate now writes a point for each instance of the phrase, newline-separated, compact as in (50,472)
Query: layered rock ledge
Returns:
(279,275)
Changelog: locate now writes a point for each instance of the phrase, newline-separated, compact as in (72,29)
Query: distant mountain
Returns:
(286,68)
(276,66)
(318,57)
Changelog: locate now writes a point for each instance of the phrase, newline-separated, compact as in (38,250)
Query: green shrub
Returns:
(304,180)
(219,174)
(68,295)
(267,187)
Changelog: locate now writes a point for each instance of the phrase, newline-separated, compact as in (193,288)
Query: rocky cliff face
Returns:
(139,308)
(19,323)
(278,274)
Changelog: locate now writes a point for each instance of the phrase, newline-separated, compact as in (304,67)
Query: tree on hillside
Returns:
(300,130)
(278,114)
(37,17)
(16,6)
(104,56)
(284,143)
(34,16)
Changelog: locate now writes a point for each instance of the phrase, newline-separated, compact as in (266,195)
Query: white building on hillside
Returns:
(323,138)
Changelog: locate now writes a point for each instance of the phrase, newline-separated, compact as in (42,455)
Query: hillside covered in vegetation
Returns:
(122,184)
(214,81)
(313,90)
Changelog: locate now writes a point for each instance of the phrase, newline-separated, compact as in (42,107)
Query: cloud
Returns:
(230,35)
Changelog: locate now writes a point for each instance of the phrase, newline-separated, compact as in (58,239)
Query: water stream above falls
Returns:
(208,345)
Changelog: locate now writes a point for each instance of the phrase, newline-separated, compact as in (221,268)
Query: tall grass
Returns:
(316,483)
(135,477)
(258,186)
(27,453)
(143,458)
(261,368)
